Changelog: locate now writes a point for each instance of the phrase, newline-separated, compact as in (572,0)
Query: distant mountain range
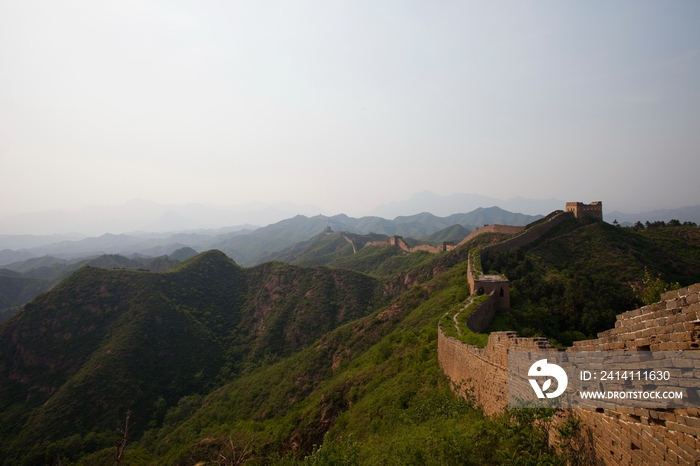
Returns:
(29,230)
(26,272)
(683,214)
(447,205)
(148,216)
(464,202)
(211,359)
(248,247)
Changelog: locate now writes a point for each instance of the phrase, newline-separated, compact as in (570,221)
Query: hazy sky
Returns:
(348,104)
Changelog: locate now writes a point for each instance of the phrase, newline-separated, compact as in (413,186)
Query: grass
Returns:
(465,334)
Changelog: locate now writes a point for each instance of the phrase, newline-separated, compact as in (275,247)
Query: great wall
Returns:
(398,242)
(611,436)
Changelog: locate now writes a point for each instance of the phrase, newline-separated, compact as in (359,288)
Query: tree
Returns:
(125,436)
(652,288)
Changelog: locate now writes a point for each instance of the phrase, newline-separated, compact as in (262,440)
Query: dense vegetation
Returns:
(20,282)
(371,392)
(454,233)
(222,364)
(351,251)
(107,340)
(265,243)
(572,283)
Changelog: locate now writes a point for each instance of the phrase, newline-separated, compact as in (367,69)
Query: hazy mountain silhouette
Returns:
(253,247)
(683,214)
(427,201)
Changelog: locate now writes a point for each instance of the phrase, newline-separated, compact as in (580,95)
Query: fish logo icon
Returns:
(542,368)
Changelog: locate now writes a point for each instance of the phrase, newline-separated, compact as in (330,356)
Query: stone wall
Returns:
(479,283)
(620,436)
(481,317)
(398,242)
(482,283)
(483,372)
(378,243)
(445,246)
(580,210)
(505,229)
(528,236)
(670,325)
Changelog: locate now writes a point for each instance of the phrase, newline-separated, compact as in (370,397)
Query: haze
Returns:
(348,105)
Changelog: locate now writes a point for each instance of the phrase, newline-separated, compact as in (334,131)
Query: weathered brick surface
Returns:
(481,317)
(616,436)
(485,371)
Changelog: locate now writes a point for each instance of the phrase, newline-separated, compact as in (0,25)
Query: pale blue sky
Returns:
(348,104)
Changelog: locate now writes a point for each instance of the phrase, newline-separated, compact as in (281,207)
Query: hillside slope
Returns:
(264,363)
(351,251)
(581,274)
(41,273)
(104,341)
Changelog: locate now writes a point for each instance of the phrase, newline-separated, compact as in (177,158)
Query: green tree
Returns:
(653,286)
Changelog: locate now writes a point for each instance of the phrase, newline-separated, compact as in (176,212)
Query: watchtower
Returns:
(580,210)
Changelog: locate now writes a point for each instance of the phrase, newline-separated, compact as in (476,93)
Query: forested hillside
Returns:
(21,281)
(580,275)
(264,364)
(104,341)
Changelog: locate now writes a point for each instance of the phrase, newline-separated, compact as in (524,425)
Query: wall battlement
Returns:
(580,210)
(622,436)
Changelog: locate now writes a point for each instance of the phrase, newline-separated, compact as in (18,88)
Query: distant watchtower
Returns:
(580,210)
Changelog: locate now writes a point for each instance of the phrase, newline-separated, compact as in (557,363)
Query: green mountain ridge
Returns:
(183,328)
(39,274)
(581,275)
(278,359)
(454,233)
(253,247)
(353,251)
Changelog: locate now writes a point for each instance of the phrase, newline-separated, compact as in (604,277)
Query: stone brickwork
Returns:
(497,286)
(445,246)
(480,318)
(621,436)
(483,372)
(580,210)
(670,325)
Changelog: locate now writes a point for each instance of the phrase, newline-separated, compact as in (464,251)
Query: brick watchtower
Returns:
(580,210)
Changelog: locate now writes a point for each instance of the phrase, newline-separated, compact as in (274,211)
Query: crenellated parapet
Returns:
(581,210)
